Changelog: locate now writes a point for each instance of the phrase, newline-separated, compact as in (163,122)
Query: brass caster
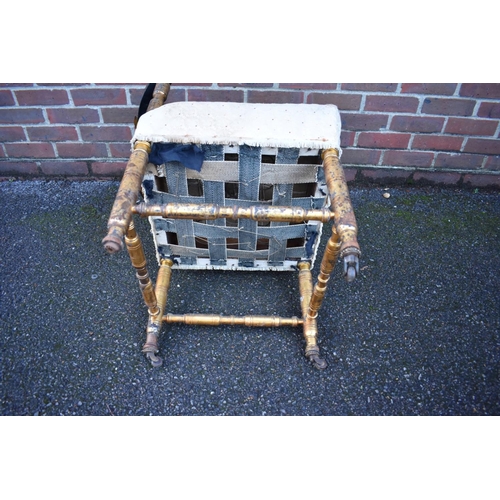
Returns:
(155,360)
(318,362)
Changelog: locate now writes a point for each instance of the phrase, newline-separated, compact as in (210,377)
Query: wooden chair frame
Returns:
(341,244)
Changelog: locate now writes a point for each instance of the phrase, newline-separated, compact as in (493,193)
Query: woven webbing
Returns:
(238,176)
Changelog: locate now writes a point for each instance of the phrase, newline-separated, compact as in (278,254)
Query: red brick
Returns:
(270,96)
(218,95)
(363,121)
(106,133)
(437,142)
(471,126)
(383,140)
(308,86)
(245,85)
(347,138)
(98,96)
(483,146)
(385,175)
(54,133)
(136,96)
(391,103)
(493,163)
(8,134)
(489,110)
(119,115)
(18,168)
(73,115)
(460,160)
(121,84)
(16,85)
(21,115)
(174,95)
(482,180)
(442,178)
(39,97)
(370,87)
(429,88)
(408,158)
(350,174)
(6,98)
(30,150)
(64,168)
(111,168)
(354,156)
(481,90)
(62,84)
(120,150)
(191,84)
(349,102)
(444,106)
(411,123)
(81,150)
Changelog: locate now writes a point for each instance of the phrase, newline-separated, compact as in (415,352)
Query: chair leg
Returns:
(310,327)
(138,259)
(313,298)
(150,348)
(154,298)
(330,258)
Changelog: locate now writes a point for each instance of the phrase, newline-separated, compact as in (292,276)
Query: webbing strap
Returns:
(177,183)
(214,193)
(245,173)
(249,182)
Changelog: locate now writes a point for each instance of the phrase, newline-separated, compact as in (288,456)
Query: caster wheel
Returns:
(155,361)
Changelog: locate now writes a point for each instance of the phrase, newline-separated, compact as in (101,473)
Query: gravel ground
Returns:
(418,333)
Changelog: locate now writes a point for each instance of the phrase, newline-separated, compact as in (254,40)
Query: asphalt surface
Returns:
(418,333)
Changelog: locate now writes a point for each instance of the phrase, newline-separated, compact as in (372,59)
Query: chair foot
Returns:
(155,360)
(150,349)
(312,353)
(317,362)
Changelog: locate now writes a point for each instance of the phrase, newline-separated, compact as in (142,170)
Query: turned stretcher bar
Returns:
(208,211)
(217,320)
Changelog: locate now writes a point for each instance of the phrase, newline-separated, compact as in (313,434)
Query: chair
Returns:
(235,186)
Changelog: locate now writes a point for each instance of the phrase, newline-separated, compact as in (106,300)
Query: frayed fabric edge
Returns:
(237,141)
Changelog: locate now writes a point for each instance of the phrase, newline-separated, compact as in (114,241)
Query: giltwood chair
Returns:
(236,186)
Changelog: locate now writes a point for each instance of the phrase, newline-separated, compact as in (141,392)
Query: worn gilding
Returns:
(155,321)
(310,327)
(211,211)
(344,218)
(160,94)
(217,320)
(138,259)
(127,195)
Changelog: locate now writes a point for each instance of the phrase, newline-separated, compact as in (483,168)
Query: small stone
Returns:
(386,195)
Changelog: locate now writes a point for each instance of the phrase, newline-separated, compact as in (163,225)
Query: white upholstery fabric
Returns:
(313,126)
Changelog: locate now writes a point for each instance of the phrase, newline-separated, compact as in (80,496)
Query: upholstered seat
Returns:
(311,126)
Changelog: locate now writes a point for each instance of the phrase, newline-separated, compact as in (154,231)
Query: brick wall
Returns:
(445,133)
